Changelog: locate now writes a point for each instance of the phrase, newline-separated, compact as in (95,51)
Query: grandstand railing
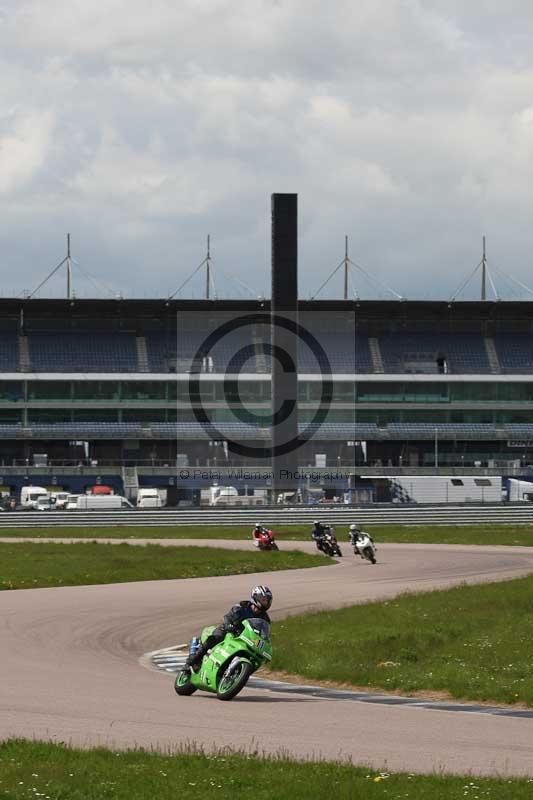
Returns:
(115,468)
(230,430)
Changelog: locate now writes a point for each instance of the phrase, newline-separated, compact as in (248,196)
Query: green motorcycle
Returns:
(226,668)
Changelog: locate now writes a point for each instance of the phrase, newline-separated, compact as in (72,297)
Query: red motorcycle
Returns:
(264,539)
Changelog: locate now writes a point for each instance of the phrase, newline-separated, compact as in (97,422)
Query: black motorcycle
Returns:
(329,545)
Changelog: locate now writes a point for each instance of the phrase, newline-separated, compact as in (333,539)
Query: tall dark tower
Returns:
(284,316)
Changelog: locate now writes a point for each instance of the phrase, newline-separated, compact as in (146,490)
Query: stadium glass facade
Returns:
(107,383)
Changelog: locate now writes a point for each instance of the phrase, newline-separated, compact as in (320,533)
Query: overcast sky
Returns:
(141,127)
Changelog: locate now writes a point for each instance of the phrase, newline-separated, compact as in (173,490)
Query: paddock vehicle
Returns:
(149,498)
(95,502)
(264,540)
(225,670)
(519,491)
(44,504)
(363,546)
(225,496)
(329,544)
(29,496)
(60,499)
(72,502)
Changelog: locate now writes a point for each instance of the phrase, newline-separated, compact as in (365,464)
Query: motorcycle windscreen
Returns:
(260,626)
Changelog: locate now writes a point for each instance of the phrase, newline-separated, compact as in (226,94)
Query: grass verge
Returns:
(423,534)
(33,565)
(50,771)
(470,642)
(512,535)
(148,532)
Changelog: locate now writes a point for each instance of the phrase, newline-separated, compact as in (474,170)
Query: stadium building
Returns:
(99,391)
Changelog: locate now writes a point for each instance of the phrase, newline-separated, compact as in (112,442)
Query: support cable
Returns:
(186,281)
(352,286)
(50,274)
(465,283)
(514,280)
(373,280)
(330,276)
(98,285)
(489,276)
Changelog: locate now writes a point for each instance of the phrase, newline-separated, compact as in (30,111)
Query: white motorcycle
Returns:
(363,546)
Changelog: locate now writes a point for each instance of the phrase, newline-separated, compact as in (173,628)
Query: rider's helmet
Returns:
(261,596)
(355,528)
(315,523)
(257,525)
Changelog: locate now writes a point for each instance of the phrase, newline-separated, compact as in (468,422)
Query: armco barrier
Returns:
(383,515)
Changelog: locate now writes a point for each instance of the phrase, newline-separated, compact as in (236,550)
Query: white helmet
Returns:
(261,596)
(355,528)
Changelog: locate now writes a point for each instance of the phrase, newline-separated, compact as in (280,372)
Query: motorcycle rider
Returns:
(318,533)
(355,534)
(259,531)
(256,607)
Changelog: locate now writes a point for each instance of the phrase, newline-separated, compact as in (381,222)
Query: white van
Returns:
(30,495)
(59,499)
(101,502)
(149,498)
(72,502)
(44,504)
(229,496)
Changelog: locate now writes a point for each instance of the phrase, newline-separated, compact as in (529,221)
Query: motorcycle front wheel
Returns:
(370,555)
(233,680)
(183,685)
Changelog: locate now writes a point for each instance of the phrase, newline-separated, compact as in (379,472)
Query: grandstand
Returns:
(102,386)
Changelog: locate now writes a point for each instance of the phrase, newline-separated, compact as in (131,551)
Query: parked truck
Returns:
(101,502)
(149,498)
(445,489)
(229,496)
(519,491)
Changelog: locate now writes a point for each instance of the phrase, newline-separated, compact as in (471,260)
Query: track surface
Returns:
(70,671)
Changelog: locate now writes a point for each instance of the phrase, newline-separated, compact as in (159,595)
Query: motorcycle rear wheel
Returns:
(183,685)
(231,684)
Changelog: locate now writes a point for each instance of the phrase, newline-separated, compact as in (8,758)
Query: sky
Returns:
(140,128)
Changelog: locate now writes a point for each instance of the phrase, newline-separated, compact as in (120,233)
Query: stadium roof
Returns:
(57,312)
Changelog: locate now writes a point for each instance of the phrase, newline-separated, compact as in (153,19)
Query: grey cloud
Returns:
(405,124)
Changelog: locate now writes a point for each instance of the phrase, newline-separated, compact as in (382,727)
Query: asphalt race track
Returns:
(71,671)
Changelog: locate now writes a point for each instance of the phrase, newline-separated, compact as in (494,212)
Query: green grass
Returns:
(424,534)
(148,532)
(472,642)
(28,566)
(454,534)
(55,772)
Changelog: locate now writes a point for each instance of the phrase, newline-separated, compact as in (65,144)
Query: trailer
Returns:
(101,502)
(445,489)
(519,491)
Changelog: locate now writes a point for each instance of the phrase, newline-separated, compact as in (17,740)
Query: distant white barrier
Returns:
(382,515)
